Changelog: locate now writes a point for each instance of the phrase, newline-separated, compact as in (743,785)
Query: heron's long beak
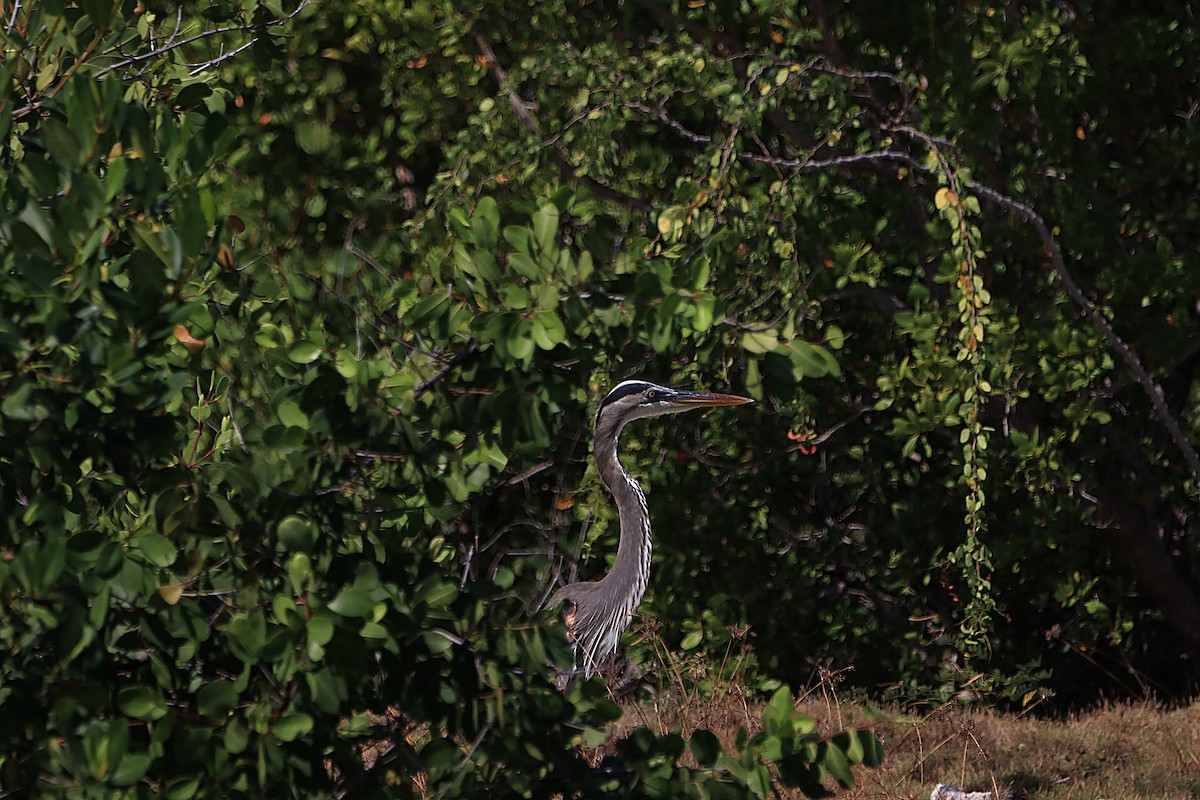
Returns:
(708,399)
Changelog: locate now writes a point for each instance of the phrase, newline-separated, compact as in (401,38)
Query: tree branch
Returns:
(853,159)
(1152,390)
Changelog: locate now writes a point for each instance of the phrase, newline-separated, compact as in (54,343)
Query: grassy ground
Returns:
(1119,752)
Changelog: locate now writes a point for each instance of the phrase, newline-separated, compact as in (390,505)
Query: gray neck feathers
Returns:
(631,569)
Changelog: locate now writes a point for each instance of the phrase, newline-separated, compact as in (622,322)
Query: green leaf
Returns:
(872,748)
(692,640)
(758,781)
(290,414)
(850,745)
(545,227)
(156,549)
(246,634)
(777,715)
(352,602)
(803,724)
(100,11)
(520,238)
(797,771)
(141,702)
(435,592)
(292,726)
(313,136)
(299,569)
(216,699)
(671,222)
(524,266)
(60,142)
(304,352)
(431,307)
(191,95)
(485,223)
(811,360)
(548,330)
(705,305)
(483,263)
(594,737)
(705,747)
(347,364)
(131,769)
(21,406)
(35,218)
(520,340)
(296,532)
(834,761)
(236,737)
(514,297)
(436,642)
(759,342)
(320,629)
(183,788)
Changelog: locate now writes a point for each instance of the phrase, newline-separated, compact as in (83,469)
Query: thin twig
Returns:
(487,726)
(427,384)
(529,473)
(172,45)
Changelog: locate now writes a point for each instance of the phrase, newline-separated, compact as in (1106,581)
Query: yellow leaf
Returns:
(944,197)
(171,592)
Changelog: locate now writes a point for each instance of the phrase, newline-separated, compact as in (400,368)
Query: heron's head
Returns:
(632,400)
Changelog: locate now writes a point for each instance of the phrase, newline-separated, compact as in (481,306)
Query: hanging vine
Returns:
(972,557)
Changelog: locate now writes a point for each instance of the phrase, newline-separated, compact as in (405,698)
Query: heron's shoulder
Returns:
(572,592)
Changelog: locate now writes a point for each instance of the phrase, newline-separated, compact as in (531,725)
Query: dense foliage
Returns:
(306,311)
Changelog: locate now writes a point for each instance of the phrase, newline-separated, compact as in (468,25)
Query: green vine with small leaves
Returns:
(961,270)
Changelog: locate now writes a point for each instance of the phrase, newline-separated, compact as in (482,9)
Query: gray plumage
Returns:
(600,611)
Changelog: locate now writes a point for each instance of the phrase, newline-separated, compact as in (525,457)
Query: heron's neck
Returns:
(631,568)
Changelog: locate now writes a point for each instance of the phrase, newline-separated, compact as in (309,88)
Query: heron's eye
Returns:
(652,394)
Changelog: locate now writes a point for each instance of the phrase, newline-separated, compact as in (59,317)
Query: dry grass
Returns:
(1123,751)
(1118,752)
(1129,751)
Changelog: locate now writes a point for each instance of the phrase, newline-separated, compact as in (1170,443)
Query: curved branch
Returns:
(1152,390)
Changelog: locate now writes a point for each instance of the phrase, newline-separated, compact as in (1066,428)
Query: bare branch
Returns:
(12,20)
(1153,391)
(661,112)
(837,161)
(201,67)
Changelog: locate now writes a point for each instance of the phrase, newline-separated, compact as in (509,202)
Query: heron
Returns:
(600,611)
